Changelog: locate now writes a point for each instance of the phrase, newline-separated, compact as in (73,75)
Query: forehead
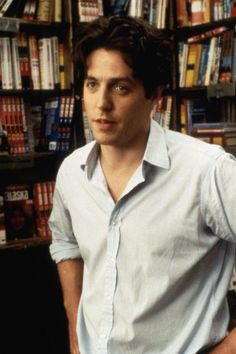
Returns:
(108,62)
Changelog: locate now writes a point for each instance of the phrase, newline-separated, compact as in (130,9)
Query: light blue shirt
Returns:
(157,264)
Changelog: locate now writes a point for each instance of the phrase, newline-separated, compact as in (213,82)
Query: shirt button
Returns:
(114,222)
(103,335)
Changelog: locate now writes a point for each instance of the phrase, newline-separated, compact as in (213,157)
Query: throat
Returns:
(118,175)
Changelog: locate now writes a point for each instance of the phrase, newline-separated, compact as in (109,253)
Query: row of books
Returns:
(89,9)
(30,128)
(24,211)
(163,111)
(196,12)
(204,62)
(31,62)
(40,10)
(213,121)
(153,11)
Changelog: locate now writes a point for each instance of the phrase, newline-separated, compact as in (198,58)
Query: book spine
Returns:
(16,64)
(34,62)
(43,13)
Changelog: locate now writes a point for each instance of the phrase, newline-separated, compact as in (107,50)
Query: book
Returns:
(17,81)
(119,7)
(162,111)
(23,51)
(4,146)
(208,34)
(199,49)
(46,63)
(2,221)
(57,16)
(6,63)
(182,15)
(210,61)
(62,65)
(49,134)
(43,199)
(65,122)
(5,6)
(183,58)
(55,61)
(197,14)
(220,134)
(19,212)
(43,11)
(34,62)
(191,63)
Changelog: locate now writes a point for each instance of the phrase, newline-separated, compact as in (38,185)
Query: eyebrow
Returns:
(113,80)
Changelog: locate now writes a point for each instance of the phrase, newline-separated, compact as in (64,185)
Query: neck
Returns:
(119,158)
(118,166)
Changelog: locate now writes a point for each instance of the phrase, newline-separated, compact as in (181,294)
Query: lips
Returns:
(104,125)
(104,121)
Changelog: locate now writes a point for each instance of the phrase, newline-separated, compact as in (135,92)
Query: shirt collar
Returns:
(155,154)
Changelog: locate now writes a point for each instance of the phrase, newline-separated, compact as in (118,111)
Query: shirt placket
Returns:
(113,240)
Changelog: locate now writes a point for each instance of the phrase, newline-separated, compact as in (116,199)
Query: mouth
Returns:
(104,125)
(103,121)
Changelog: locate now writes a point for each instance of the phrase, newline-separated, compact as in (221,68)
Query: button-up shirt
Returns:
(157,263)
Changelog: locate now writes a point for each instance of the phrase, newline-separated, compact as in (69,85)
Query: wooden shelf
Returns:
(11,162)
(26,243)
(14,24)
(188,31)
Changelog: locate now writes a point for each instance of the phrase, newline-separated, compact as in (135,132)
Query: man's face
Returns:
(115,103)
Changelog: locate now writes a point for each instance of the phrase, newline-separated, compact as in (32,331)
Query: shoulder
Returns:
(191,149)
(78,157)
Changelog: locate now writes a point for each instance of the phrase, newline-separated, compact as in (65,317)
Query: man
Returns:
(143,220)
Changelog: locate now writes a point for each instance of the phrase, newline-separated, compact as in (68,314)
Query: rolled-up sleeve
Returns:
(64,245)
(219,197)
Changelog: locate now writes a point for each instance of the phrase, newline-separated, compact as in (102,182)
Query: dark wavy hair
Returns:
(143,47)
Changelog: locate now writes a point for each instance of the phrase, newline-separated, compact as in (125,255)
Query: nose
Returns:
(104,100)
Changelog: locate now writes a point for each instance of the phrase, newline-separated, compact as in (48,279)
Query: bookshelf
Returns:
(36,104)
(33,318)
(205,80)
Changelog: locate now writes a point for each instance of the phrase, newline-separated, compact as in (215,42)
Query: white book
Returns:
(6,64)
(163,14)
(32,9)
(5,7)
(16,64)
(210,60)
(139,8)
(43,64)
(159,13)
(132,8)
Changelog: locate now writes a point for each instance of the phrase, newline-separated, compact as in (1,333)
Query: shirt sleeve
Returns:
(219,197)
(64,245)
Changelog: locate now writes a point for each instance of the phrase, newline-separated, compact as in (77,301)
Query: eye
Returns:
(91,85)
(121,89)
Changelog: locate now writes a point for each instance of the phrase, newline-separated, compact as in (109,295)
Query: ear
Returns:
(158,93)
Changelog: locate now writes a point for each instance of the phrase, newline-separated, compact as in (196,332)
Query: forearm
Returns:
(227,346)
(71,278)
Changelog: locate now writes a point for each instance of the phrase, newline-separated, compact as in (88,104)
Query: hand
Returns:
(227,346)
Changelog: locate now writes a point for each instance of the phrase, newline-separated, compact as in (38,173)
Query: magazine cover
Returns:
(19,212)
